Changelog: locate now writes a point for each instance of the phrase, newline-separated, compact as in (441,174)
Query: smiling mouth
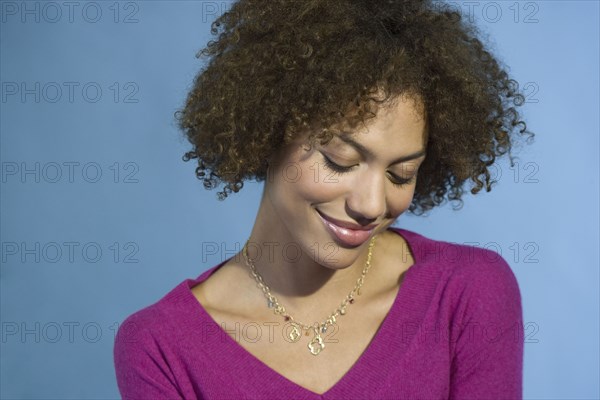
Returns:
(347,233)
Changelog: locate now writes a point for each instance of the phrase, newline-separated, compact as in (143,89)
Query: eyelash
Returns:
(338,169)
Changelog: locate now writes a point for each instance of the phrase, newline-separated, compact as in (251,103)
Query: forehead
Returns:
(399,124)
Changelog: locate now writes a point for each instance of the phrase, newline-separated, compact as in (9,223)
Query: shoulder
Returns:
(467,273)
(152,325)
(138,336)
(143,353)
(464,260)
(472,295)
(139,325)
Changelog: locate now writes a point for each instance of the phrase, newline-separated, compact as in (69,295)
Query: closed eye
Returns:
(398,181)
(340,169)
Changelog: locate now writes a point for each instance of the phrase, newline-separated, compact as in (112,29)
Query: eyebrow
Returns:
(362,149)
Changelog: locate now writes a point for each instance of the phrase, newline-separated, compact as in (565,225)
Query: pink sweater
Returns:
(454,331)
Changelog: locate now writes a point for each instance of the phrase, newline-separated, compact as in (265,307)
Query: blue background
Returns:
(60,311)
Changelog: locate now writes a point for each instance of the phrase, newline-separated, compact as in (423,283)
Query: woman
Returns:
(351,112)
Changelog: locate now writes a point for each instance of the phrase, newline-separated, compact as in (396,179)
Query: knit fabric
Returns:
(454,331)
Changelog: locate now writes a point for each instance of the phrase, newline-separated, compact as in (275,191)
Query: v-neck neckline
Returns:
(368,364)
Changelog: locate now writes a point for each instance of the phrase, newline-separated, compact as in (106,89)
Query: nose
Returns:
(367,199)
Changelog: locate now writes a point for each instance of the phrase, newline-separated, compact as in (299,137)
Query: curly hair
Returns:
(282,67)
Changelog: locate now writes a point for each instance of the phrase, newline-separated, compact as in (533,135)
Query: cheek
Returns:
(308,180)
(317,184)
(400,201)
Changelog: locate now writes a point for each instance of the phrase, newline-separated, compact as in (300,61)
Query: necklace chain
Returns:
(316,345)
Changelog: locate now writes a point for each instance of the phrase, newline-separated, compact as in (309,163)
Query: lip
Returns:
(347,225)
(347,233)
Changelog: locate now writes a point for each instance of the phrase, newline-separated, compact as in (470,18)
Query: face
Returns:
(331,199)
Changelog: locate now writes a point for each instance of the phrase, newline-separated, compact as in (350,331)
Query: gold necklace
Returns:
(316,345)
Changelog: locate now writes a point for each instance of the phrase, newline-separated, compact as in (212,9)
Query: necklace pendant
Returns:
(316,345)
(295,334)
